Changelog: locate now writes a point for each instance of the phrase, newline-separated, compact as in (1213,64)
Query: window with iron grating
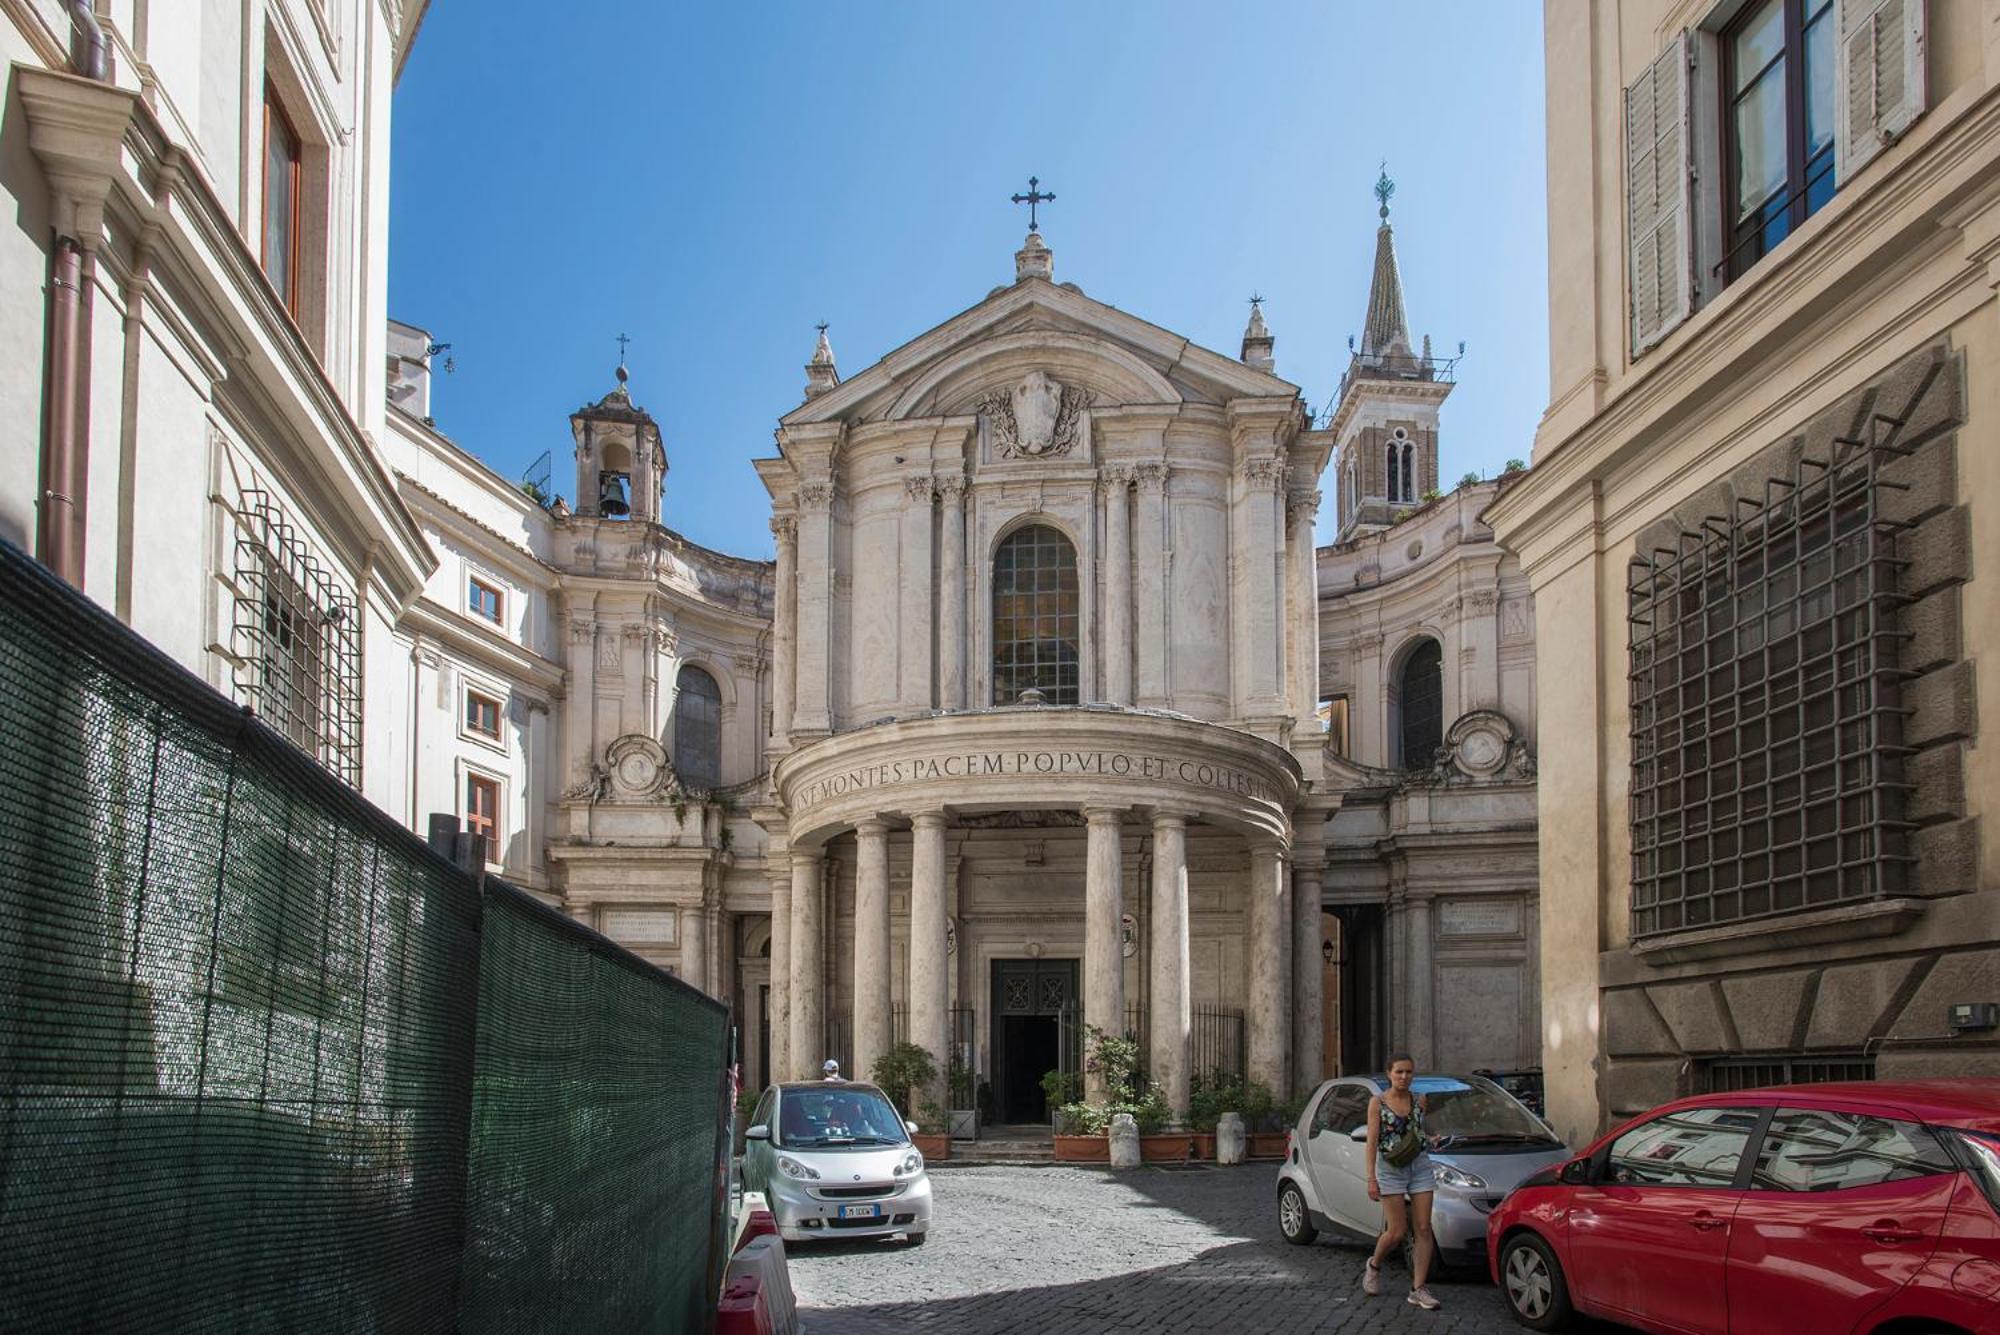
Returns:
(1723,1075)
(296,640)
(1765,728)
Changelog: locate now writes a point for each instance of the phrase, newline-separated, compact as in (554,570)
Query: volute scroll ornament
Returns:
(1037,418)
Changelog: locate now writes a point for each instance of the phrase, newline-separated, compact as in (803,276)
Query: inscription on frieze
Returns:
(1087,764)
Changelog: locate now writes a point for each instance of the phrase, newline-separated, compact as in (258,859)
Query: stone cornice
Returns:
(483,646)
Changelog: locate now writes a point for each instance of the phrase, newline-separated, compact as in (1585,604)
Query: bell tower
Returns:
(1385,422)
(621,467)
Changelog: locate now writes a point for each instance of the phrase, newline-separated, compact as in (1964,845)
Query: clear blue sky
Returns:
(714,179)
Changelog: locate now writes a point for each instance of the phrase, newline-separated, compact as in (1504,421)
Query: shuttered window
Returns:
(1779,90)
(1656,182)
(1882,80)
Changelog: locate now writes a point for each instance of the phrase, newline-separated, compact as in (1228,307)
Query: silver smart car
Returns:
(835,1161)
(1487,1142)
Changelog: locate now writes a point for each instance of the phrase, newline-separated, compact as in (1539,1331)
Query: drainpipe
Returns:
(65,445)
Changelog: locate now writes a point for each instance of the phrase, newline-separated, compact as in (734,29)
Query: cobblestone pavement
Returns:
(1026,1250)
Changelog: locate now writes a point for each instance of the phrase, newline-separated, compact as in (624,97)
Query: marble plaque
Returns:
(647,926)
(1479,917)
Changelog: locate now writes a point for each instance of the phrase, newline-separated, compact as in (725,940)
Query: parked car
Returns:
(835,1161)
(1840,1207)
(1486,1142)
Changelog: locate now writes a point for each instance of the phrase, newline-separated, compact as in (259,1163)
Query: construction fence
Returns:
(269,1063)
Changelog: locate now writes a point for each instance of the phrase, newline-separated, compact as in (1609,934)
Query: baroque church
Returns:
(1049,714)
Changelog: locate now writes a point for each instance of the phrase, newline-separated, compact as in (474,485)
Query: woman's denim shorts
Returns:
(1419,1174)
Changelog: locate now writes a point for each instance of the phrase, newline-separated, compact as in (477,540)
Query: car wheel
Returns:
(1532,1280)
(1294,1220)
(916,1239)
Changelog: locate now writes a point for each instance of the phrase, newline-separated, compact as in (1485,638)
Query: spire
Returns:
(1257,340)
(1388,329)
(821,374)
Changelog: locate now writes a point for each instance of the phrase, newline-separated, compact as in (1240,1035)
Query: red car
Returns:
(1863,1208)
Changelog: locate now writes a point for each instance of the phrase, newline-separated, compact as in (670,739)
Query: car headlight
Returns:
(791,1167)
(1458,1177)
(913,1163)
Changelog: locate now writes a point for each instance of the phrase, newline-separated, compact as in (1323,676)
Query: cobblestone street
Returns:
(1069,1249)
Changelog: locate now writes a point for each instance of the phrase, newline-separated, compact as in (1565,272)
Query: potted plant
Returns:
(1264,1121)
(1079,1133)
(1209,1097)
(1156,1143)
(904,1072)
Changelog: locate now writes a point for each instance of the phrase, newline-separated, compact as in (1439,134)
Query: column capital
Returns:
(871,827)
(950,489)
(807,858)
(1150,476)
(785,528)
(1095,815)
(1169,820)
(928,820)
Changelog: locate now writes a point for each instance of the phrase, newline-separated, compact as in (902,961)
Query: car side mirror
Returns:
(910,1127)
(1359,1135)
(1575,1173)
(757,1132)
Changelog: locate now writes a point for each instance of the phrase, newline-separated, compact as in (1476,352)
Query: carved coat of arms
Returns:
(1036,418)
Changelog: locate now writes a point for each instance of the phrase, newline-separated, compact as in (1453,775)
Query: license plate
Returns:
(860,1211)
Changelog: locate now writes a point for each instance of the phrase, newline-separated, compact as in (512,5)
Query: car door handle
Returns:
(1888,1230)
(1706,1222)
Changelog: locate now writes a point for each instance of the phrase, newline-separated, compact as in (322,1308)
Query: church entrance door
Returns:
(1029,997)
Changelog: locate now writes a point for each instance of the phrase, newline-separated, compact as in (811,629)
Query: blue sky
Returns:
(714,179)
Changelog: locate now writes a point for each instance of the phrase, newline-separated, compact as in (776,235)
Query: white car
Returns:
(1486,1141)
(835,1161)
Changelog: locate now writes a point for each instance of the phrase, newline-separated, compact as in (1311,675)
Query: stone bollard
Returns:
(1124,1141)
(1231,1142)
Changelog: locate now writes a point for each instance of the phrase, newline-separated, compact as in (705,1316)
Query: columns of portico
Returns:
(779,1061)
(1258,528)
(1118,586)
(951,590)
(785,528)
(1308,1004)
(929,983)
(914,690)
(1104,908)
(871,946)
(1170,1019)
(808,1027)
(812,686)
(1270,951)
(1151,577)
(1417,986)
(694,946)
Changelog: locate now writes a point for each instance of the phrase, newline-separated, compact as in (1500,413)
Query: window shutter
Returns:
(1657,170)
(1882,85)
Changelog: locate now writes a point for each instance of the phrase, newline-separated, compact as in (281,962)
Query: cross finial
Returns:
(821,326)
(1256,299)
(622,341)
(1384,188)
(1033,198)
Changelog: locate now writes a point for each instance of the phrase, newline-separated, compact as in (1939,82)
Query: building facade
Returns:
(1756,545)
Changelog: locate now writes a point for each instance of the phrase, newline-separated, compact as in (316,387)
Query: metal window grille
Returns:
(1420,704)
(1766,728)
(296,640)
(1722,1075)
(1035,605)
(698,729)
(1216,1040)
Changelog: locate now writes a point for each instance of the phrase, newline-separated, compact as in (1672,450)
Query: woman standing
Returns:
(1399,1166)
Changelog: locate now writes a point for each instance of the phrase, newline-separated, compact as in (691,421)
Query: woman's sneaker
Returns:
(1422,1298)
(1371,1279)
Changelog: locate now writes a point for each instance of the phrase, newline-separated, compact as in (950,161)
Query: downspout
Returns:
(65,443)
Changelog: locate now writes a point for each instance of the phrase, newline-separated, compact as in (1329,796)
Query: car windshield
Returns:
(836,1115)
(1477,1111)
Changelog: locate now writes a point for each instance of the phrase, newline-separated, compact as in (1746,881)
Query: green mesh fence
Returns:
(267,1063)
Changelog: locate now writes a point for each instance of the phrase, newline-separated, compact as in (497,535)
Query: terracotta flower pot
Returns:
(1083,1149)
(1173,1147)
(934,1148)
(1267,1145)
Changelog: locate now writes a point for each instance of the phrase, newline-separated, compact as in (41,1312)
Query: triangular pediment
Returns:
(1033,324)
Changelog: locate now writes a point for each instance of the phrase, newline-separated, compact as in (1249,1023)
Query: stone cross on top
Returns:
(1032,199)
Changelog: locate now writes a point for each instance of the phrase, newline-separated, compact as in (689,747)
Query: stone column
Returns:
(1151,578)
(1418,982)
(779,1062)
(785,528)
(694,946)
(581,705)
(812,688)
(1170,1017)
(951,594)
(808,1016)
(1270,951)
(1118,586)
(1104,906)
(914,690)
(1302,576)
(929,984)
(1257,528)
(871,945)
(1308,1004)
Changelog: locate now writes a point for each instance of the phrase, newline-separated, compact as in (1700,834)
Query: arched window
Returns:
(1395,473)
(1409,475)
(1420,703)
(1035,617)
(697,729)
(1348,500)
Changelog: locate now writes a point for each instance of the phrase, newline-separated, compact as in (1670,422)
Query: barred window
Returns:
(1420,704)
(1035,617)
(296,640)
(482,812)
(1723,1075)
(1766,773)
(698,729)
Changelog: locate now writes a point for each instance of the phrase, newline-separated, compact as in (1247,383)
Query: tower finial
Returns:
(1384,188)
(622,374)
(821,374)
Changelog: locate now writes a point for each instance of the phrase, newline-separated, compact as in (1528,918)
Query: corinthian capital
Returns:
(1150,477)
(1302,507)
(785,528)
(950,488)
(1115,477)
(920,487)
(815,495)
